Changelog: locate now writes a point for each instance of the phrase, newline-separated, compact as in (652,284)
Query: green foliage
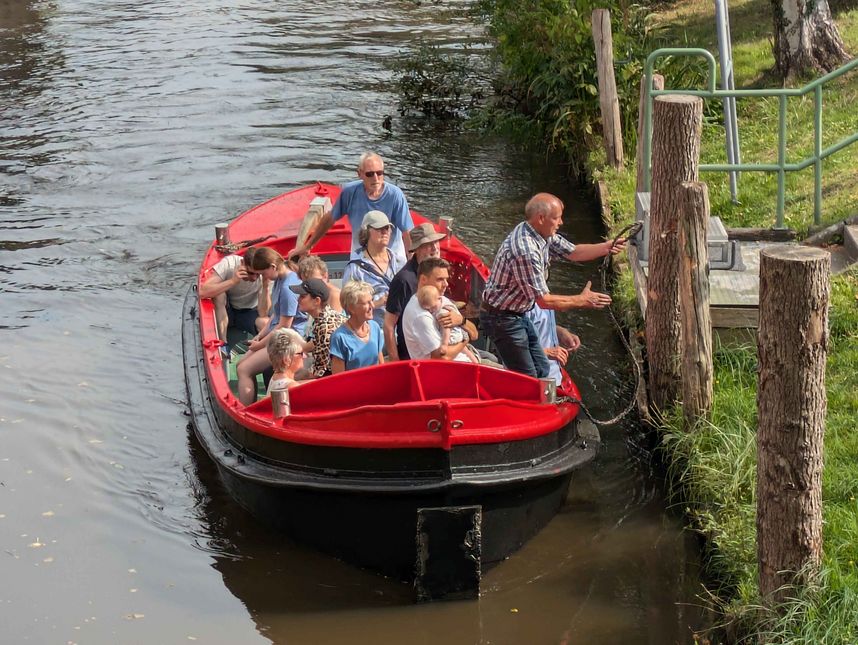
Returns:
(713,468)
(547,55)
(439,83)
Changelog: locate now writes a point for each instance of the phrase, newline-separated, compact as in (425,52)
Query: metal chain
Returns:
(232,247)
(631,230)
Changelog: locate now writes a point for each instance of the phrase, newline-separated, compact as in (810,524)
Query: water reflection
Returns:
(130,129)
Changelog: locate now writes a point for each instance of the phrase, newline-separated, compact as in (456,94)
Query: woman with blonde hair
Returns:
(359,341)
(284,315)
(286,354)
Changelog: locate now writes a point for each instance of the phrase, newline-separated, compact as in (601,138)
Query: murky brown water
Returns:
(128,130)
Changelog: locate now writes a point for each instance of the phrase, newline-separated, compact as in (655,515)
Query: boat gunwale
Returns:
(555,416)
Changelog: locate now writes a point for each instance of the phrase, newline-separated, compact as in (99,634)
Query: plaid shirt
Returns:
(520,270)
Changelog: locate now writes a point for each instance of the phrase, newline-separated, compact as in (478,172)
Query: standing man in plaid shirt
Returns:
(519,280)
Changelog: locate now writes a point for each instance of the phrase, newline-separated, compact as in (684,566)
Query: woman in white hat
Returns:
(375,262)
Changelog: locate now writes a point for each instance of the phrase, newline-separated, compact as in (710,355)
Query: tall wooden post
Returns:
(791,401)
(694,302)
(608,100)
(657,84)
(677,120)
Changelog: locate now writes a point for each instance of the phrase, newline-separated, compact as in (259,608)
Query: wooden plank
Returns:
(731,317)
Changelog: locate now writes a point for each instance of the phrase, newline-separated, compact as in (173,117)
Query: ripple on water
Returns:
(129,130)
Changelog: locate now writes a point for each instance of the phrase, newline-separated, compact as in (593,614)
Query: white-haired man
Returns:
(369,193)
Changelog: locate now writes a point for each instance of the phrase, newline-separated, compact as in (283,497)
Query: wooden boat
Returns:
(364,455)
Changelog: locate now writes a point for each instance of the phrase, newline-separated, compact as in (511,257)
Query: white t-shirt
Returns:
(244,295)
(421,330)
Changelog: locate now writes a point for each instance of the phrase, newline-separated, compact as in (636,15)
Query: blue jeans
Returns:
(244,319)
(517,342)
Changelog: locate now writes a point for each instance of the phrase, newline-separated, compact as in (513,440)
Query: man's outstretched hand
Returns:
(593,299)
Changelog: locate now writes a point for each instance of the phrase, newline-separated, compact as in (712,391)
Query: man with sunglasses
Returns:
(241,296)
(369,193)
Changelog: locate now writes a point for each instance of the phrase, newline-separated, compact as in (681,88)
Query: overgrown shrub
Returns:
(547,55)
(434,82)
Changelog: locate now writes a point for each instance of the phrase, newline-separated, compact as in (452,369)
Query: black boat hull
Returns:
(363,510)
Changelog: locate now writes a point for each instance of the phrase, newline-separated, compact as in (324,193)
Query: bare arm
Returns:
(216,285)
(587,299)
(390,335)
(261,339)
(451,317)
(337,365)
(585,252)
(567,339)
(448,352)
(325,224)
(406,240)
(263,304)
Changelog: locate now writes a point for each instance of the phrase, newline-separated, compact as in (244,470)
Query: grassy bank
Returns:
(713,469)
(546,50)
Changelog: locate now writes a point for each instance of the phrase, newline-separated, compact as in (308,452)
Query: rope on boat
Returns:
(629,231)
(232,247)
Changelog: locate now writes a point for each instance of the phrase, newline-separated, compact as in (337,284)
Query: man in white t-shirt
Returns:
(422,335)
(241,296)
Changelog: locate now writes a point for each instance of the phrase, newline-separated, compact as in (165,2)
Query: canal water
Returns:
(129,129)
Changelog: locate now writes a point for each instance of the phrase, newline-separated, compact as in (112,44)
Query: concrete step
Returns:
(850,241)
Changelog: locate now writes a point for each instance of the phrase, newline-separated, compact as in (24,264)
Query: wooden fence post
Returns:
(694,302)
(657,84)
(608,101)
(677,121)
(791,401)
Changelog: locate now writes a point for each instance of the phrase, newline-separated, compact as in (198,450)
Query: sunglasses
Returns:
(374,173)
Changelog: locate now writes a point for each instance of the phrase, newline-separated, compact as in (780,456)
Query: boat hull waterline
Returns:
(364,451)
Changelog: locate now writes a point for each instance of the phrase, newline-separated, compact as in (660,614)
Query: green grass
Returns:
(713,468)
(758,123)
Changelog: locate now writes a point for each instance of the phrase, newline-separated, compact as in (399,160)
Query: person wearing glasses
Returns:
(284,314)
(286,353)
(313,298)
(369,193)
(242,297)
(376,263)
(519,280)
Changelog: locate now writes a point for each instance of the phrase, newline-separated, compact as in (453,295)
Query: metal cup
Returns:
(280,403)
(548,390)
(445,223)
(222,233)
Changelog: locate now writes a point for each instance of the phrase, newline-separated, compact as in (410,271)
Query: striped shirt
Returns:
(520,270)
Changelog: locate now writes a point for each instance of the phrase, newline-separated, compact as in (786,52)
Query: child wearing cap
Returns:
(313,295)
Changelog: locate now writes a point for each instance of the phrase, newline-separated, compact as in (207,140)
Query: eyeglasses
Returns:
(251,274)
(374,173)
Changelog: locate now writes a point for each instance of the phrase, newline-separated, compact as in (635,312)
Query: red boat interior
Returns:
(391,405)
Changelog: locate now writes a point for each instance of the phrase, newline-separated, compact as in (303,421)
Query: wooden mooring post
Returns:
(609,102)
(791,400)
(677,121)
(694,302)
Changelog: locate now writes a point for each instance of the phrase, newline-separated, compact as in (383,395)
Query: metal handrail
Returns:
(781,167)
